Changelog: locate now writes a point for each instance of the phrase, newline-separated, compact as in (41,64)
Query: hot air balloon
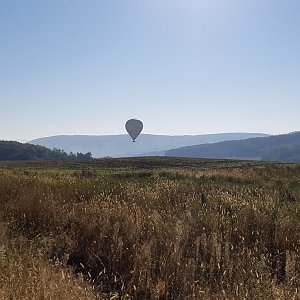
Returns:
(134,127)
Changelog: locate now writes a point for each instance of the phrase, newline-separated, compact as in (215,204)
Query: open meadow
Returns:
(149,228)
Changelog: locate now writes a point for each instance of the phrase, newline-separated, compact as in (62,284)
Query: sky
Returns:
(180,66)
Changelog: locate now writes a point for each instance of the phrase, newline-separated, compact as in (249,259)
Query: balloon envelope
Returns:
(134,127)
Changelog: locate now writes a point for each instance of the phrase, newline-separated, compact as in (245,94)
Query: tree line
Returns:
(11,150)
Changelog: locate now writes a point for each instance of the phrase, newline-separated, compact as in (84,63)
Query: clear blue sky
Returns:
(181,66)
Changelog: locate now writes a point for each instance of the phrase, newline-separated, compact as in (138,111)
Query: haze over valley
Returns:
(121,145)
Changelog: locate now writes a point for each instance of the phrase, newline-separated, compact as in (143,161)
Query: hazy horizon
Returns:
(182,67)
(147,134)
(144,133)
(126,134)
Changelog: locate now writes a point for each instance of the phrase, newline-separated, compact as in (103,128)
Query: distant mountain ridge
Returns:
(122,146)
(284,148)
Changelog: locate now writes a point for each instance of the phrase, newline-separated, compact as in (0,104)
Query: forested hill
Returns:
(285,148)
(10,150)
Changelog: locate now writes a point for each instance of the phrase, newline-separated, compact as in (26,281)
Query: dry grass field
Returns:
(149,228)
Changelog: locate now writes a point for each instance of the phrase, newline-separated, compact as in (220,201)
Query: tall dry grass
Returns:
(230,233)
(26,274)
